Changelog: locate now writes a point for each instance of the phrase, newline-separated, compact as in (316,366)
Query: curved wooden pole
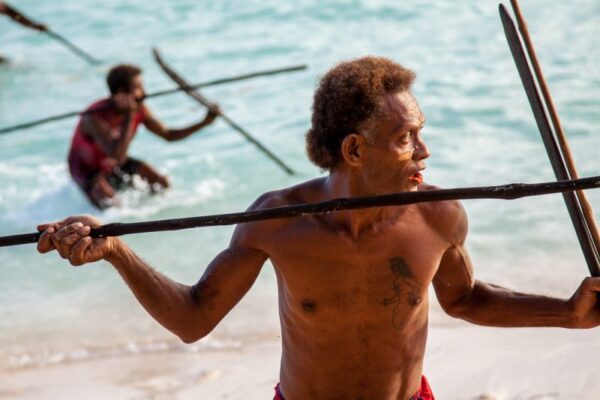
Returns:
(578,219)
(558,129)
(251,75)
(210,105)
(505,192)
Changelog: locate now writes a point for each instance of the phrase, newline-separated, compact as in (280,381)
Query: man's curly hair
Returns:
(346,97)
(120,76)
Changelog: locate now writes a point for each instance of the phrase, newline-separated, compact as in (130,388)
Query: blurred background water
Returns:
(480,131)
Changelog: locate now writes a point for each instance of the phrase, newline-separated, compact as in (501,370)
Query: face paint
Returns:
(406,155)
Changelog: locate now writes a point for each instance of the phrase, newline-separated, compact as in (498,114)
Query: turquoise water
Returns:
(479,128)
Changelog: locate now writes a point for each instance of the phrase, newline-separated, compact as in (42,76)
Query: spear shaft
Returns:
(505,192)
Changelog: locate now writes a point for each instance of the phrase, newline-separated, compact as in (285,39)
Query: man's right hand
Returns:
(70,238)
(126,102)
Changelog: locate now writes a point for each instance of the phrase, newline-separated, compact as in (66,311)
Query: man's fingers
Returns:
(44,243)
(74,237)
(64,248)
(55,225)
(592,283)
(67,230)
(78,251)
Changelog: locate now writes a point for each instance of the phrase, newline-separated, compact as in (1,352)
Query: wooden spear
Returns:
(506,192)
(558,129)
(210,105)
(582,229)
(87,57)
(256,74)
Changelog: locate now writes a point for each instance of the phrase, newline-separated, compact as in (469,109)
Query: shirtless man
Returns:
(98,160)
(17,16)
(353,285)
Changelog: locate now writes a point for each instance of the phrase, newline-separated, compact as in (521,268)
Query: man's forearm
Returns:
(178,134)
(170,303)
(495,306)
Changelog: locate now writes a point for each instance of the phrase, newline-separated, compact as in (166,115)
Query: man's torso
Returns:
(353,308)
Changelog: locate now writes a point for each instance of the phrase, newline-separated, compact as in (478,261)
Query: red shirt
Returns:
(85,156)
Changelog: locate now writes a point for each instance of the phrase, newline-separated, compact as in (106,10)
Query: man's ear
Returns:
(352,149)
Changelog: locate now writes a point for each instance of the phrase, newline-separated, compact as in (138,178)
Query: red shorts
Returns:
(424,392)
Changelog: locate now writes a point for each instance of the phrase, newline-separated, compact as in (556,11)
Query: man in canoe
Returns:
(353,285)
(98,159)
(17,16)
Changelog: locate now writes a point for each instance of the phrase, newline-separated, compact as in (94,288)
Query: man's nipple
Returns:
(309,306)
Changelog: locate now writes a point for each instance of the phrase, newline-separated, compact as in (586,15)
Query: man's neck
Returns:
(340,184)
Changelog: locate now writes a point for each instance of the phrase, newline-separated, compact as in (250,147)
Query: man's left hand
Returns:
(585,304)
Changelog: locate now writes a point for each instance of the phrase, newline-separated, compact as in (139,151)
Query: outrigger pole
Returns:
(256,74)
(505,192)
(195,94)
(578,207)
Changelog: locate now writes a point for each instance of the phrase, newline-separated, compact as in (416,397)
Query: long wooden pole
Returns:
(582,229)
(87,57)
(558,129)
(207,103)
(251,75)
(506,192)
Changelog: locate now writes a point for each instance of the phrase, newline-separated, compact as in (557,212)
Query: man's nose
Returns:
(421,150)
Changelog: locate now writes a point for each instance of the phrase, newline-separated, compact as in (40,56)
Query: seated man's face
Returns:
(137,87)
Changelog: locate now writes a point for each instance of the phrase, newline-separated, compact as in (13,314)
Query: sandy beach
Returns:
(463,362)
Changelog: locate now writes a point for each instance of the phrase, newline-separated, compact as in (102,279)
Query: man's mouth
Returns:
(417,177)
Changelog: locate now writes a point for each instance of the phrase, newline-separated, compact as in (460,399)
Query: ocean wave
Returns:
(42,358)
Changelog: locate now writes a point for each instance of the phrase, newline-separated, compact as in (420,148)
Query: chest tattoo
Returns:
(404,287)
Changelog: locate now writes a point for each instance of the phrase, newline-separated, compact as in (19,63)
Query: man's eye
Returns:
(406,137)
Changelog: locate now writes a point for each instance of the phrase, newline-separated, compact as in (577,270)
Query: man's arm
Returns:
(17,16)
(172,135)
(462,296)
(190,312)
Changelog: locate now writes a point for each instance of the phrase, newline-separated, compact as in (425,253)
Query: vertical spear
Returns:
(584,229)
(558,129)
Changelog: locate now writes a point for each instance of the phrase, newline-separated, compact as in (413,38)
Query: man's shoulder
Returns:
(447,217)
(305,192)
(253,234)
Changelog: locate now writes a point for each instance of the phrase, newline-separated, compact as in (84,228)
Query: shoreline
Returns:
(462,362)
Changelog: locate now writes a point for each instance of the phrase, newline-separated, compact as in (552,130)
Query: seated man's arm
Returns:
(171,135)
(190,312)
(462,296)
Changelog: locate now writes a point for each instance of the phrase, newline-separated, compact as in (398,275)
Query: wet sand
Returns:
(462,362)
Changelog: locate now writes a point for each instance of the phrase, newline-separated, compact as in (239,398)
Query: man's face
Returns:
(137,87)
(394,149)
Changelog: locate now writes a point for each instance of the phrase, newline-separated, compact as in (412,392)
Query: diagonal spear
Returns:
(506,192)
(583,223)
(210,105)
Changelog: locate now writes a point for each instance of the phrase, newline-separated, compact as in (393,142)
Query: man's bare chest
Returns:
(329,269)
